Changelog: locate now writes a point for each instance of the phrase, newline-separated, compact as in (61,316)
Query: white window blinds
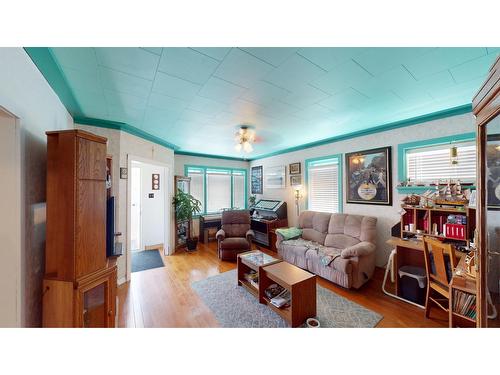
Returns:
(218,190)
(324,185)
(196,186)
(430,164)
(238,190)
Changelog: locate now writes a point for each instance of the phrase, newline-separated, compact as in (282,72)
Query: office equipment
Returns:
(207,222)
(268,214)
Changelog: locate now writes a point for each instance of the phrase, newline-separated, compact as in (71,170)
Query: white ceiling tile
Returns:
(274,56)
(217,53)
(166,102)
(379,60)
(294,72)
(304,95)
(134,61)
(242,68)
(264,92)
(117,100)
(441,59)
(188,64)
(342,77)
(220,90)
(175,87)
(328,58)
(205,105)
(82,59)
(126,83)
(477,68)
(347,98)
(155,50)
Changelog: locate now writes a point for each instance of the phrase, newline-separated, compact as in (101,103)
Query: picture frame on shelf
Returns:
(256,176)
(294,168)
(369,176)
(275,177)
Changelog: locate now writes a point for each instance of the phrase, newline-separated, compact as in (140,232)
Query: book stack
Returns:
(464,304)
(253,278)
(282,300)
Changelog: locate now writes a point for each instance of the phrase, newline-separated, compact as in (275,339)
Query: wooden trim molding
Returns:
(486,106)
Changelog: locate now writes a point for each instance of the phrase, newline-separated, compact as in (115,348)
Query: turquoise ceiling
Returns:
(194,98)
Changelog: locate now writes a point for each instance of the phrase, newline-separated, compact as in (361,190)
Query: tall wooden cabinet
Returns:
(80,282)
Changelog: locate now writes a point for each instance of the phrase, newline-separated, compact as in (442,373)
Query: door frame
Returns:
(14,224)
(167,235)
(140,195)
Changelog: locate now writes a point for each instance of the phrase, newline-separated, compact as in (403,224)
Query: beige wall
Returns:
(25,93)
(387,215)
(122,146)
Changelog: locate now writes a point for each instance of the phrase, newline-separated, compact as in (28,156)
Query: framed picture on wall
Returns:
(275,177)
(296,180)
(368,176)
(256,180)
(294,168)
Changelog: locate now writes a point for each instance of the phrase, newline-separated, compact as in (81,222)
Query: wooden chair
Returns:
(438,280)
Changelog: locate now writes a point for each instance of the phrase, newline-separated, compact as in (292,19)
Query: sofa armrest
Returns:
(358,250)
(220,235)
(279,239)
(250,235)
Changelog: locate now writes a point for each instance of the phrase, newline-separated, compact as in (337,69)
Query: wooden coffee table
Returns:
(300,283)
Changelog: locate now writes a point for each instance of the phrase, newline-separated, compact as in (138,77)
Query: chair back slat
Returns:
(442,255)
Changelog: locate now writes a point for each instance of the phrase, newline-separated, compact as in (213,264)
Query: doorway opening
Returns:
(149,215)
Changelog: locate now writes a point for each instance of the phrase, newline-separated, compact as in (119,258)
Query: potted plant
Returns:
(185,207)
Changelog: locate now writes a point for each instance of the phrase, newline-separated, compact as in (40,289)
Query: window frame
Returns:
(203,169)
(310,162)
(403,148)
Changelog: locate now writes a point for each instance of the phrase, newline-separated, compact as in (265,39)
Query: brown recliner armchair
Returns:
(235,236)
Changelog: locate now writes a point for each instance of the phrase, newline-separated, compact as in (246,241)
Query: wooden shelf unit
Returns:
(423,219)
(79,287)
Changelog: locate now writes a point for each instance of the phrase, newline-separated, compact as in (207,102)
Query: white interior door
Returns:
(136,210)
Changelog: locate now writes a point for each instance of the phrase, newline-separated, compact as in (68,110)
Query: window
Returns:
(433,163)
(324,184)
(218,188)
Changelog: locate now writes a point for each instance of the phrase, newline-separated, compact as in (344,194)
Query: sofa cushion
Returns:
(306,219)
(313,235)
(234,243)
(369,229)
(340,241)
(320,221)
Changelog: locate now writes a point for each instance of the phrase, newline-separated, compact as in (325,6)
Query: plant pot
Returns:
(191,244)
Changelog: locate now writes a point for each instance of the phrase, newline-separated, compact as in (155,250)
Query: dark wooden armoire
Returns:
(79,288)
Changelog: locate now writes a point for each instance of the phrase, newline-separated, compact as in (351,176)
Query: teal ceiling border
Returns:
(126,128)
(187,153)
(467,108)
(47,65)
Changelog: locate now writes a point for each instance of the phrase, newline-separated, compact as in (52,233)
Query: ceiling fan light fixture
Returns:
(244,139)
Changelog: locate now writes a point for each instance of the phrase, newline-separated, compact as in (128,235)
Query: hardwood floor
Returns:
(162,297)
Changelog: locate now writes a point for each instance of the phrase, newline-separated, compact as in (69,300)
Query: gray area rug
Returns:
(234,307)
(145,260)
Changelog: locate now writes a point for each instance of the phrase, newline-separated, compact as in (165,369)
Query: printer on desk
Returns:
(267,214)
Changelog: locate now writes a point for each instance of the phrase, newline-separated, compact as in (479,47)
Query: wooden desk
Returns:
(409,253)
(206,222)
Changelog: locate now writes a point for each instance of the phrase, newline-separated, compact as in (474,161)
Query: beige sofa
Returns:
(337,247)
